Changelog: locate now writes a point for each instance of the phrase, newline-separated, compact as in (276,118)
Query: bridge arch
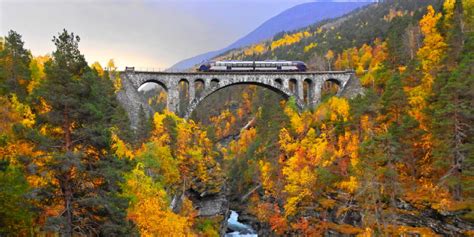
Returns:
(279,82)
(331,87)
(159,82)
(293,86)
(199,87)
(308,90)
(272,86)
(334,80)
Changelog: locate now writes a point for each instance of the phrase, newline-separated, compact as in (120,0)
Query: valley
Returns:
(373,139)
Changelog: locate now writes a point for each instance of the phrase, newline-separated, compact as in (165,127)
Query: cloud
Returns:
(139,33)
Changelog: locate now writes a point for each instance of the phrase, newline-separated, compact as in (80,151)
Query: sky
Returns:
(145,34)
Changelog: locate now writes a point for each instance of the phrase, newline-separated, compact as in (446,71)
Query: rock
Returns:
(211,205)
(352,217)
(131,100)
(447,225)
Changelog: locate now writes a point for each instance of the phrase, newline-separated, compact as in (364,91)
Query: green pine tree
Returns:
(14,66)
(86,172)
(453,118)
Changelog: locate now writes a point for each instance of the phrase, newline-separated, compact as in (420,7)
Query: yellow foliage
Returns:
(289,39)
(366,60)
(448,7)
(114,75)
(98,68)
(117,84)
(167,165)
(37,71)
(149,208)
(159,133)
(430,56)
(468,12)
(335,109)
(266,177)
(329,55)
(299,123)
(431,53)
(368,232)
(255,49)
(28,117)
(224,122)
(239,147)
(196,158)
(350,186)
(121,148)
(310,46)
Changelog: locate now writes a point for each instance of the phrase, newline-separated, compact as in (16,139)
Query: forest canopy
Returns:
(396,160)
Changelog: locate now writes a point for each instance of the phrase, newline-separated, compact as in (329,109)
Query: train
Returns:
(246,66)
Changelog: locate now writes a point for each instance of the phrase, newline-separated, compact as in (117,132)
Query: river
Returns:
(238,229)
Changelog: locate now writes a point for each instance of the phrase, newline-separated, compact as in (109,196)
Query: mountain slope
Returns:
(294,18)
(311,44)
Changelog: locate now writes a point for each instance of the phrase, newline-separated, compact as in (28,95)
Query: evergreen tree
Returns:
(145,126)
(453,119)
(14,66)
(75,133)
(16,216)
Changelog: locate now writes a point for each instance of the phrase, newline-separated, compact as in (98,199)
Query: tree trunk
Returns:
(67,129)
(66,181)
(68,207)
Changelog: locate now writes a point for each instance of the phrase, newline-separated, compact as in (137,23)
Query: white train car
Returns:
(246,66)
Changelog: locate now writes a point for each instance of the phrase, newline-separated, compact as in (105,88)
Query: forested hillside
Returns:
(294,18)
(396,161)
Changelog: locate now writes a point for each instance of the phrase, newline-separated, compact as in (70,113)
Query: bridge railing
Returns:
(153,69)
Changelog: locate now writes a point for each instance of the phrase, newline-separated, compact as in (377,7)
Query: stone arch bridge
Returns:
(305,87)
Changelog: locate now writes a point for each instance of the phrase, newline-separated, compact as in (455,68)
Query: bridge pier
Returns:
(300,90)
(317,87)
(172,103)
(192,91)
(286,83)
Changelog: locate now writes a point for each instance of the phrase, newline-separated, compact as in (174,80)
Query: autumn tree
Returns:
(329,56)
(150,207)
(17,213)
(430,56)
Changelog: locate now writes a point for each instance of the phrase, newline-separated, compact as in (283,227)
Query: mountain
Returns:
(391,21)
(294,18)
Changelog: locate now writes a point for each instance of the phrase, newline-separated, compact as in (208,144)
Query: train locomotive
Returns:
(247,66)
